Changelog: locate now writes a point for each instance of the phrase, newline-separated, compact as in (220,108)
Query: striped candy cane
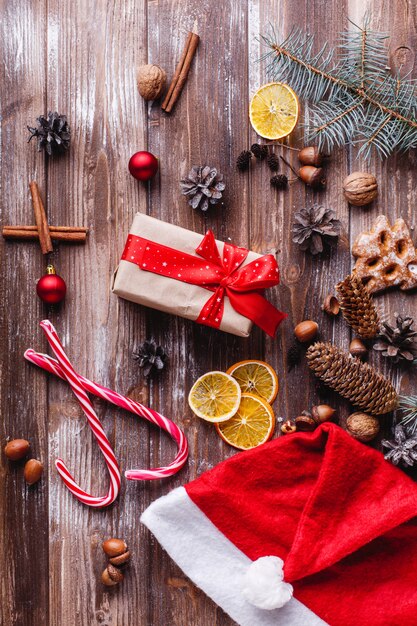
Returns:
(69,374)
(54,367)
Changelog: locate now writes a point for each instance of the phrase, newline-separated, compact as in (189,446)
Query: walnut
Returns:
(360,188)
(151,81)
(362,426)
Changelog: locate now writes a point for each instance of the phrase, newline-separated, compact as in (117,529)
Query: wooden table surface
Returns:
(80,58)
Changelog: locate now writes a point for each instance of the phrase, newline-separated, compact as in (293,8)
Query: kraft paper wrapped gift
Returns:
(177,271)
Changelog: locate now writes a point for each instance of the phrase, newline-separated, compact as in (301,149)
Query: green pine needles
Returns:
(355,97)
(408,407)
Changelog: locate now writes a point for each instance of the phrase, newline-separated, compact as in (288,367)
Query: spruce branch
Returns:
(354,96)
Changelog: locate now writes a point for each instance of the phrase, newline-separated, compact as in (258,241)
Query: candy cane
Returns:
(70,375)
(52,366)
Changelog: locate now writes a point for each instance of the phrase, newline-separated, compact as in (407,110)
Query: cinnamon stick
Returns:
(57,233)
(181,72)
(40,218)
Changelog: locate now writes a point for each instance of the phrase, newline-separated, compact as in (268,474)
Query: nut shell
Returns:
(151,81)
(362,426)
(121,559)
(306,330)
(305,423)
(114,546)
(106,580)
(288,427)
(331,305)
(33,471)
(16,449)
(360,188)
(115,574)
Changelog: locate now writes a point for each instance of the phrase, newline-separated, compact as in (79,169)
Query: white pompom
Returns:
(263,584)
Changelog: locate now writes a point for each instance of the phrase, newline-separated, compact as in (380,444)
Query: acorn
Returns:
(310,155)
(357,348)
(312,176)
(306,330)
(322,413)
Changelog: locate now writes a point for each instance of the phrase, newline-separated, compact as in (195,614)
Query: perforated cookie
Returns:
(386,256)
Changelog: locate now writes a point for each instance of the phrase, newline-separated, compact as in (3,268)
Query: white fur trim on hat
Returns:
(264,585)
(214,563)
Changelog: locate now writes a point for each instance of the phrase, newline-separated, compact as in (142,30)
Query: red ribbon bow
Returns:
(224,276)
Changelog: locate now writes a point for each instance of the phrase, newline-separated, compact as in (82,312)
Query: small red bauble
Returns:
(51,288)
(143,165)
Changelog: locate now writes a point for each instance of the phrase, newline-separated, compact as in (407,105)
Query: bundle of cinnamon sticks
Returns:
(181,72)
(42,230)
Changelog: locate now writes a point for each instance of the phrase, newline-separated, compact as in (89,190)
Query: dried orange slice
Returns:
(256,377)
(274,110)
(215,397)
(252,425)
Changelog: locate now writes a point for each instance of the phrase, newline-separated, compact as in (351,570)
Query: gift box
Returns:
(177,271)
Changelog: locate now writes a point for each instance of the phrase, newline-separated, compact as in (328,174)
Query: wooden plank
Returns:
(205,128)
(305,280)
(93,51)
(396,180)
(24,518)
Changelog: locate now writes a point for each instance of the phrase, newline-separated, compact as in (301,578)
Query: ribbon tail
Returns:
(255,307)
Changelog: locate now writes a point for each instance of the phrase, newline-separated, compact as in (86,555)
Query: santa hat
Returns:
(332,511)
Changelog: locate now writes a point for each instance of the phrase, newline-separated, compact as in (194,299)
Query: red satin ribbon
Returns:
(224,276)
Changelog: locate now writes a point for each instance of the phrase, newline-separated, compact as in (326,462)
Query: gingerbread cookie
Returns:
(386,256)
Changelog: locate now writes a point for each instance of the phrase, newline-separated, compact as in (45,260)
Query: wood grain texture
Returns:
(80,58)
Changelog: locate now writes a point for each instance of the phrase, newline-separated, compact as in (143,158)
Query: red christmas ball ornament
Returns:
(143,165)
(51,288)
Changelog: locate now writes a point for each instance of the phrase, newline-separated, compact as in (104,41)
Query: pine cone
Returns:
(273,161)
(315,227)
(280,181)
(203,186)
(151,357)
(357,307)
(243,160)
(53,133)
(403,449)
(354,380)
(398,343)
(259,151)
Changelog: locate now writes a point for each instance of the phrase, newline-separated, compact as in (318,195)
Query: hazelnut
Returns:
(360,188)
(312,176)
(306,331)
(288,427)
(121,559)
(33,471)
(310,155)
(322,413)
(114,547)
(331,305)
(111,576)
(151,81)
(16,449)
(305,422)
(362,426)
(357,348)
